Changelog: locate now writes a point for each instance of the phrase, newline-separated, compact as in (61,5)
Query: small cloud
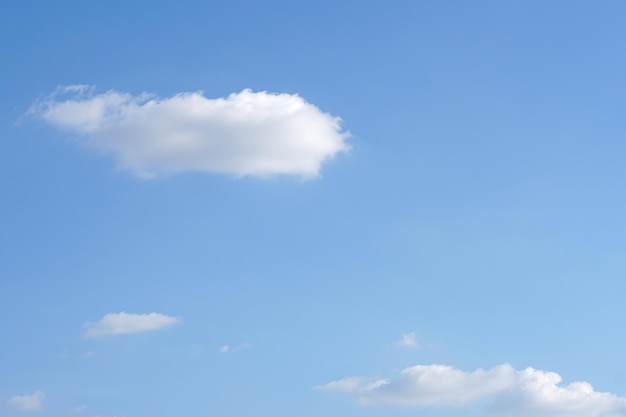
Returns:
(526,393)
(240,347)
(88,355)
(125,323)
(32,402)
(350,384)
(408,340)
(245,134)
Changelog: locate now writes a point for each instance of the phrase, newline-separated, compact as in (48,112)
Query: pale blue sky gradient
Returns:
(481,206)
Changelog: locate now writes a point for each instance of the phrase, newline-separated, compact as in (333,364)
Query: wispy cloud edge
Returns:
(124,323)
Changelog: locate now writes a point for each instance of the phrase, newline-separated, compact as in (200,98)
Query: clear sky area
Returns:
(312,209)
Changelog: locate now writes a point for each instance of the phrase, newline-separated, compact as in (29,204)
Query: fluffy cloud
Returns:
(540,394)
(33,402)
(245,134)
(525,393)
(408,340)
(124,323)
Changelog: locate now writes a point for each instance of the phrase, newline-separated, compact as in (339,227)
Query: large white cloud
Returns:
(125,323)
(28,402)
(512,393)
(245,134)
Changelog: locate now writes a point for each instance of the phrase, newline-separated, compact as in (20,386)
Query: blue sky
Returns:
(327,209)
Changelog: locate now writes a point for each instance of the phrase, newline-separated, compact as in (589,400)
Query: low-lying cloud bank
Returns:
(526,393)
(245,134)
(124,323)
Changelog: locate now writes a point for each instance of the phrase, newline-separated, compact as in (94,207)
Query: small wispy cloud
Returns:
(237,348)
(350,384)
(408,340)
(28,402)
(125,323)
(245,134)
(526,393)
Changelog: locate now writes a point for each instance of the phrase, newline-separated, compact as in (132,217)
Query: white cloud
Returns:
(525,393)
(245,134)
(229,348)
(33,402)
(351,384)
(408,340)
(540,394)
(124,323)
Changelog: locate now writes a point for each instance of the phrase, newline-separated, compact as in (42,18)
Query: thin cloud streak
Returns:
(228,348)
(124,323)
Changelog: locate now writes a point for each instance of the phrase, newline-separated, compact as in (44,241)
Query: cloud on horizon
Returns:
(125,323)
(245,134)
(32,402)
(526,393)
